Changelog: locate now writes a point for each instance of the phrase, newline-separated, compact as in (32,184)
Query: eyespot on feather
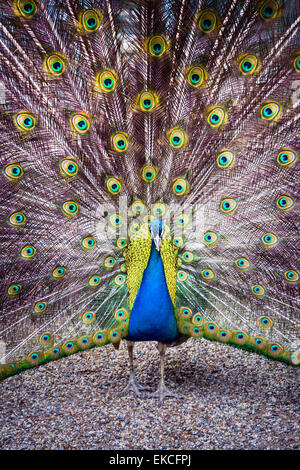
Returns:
(226,159)
(149,173)
(216,116)
(287,157)
(196,75)
(13,290)
(28,252)
(69,208)
(79,123)
(88,243)
(285,202)
(228,205)
(208,21)
(25,121)
(107,80)
(147,101)
(269,9)
(90,20)
(270,240)
(17,219)
(68,167)
(156,45)
(25,8)
(258,290)
(55,64)
(13,171)
(120,141)
(270,111)
(249,64)
(113,185)
(211,238)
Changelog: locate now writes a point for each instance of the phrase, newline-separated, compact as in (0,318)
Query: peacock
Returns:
(149,177)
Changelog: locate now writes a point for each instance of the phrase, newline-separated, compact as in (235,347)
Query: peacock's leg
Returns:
(162,391)
(133,385)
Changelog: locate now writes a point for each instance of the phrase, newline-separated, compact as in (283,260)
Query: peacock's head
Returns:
(157,230)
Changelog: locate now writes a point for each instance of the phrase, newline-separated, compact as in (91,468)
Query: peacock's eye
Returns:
(46,339)
(25,121)
(178,241)
(113,185)
(270,239)
(120,141)
(258,290)
(239,337)
(265,323)
(14,289)
(180,187)
(26,8)
(107,80)
(149,173)
(217,116)
(297,64)
(88,317)
(226,159)
(185,312)
(196,75)
(94,281)
(285,202)
(121,243)
(13,171)
(274,349)
(16,219)
(99,337)
(269,10)
(157,46)
(248,64)
(182,276)
(208,274)
(291,276)
(68,167)
(59,272)
(55,64)
(207,21)
(182,220)
(138,207)
(120,279)
(69,208)
(115,220)
(88,243)
(177,138)
(287,158)
(91,20)
(188,257)
(121,314)
(270,111)
(159,209)
(39,307)
(80,123)
(109,262)
(211,238)
(147,101)
(28,252)
(243,264)
(228,205)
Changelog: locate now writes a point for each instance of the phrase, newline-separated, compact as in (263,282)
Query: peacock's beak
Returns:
(157,241)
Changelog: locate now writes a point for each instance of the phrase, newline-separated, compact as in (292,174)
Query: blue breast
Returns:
(152,317)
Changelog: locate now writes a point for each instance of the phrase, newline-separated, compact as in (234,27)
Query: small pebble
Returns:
(230,399)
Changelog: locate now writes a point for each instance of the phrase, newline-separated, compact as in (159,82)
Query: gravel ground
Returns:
(231,399)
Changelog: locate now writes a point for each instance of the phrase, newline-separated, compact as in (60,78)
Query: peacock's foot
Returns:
(134,386)
(163,392)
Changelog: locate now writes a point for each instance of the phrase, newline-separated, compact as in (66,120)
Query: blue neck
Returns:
(152,317)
